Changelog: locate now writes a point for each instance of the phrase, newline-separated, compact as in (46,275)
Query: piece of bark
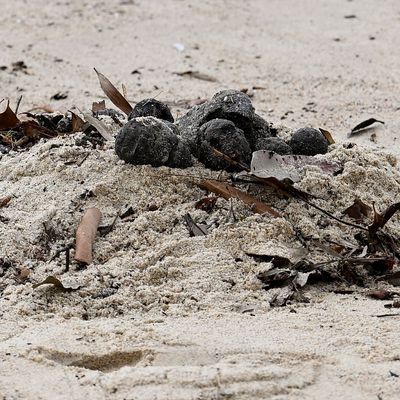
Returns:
(227,191)
(86,234)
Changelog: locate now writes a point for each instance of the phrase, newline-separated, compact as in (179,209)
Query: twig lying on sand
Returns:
(86,234)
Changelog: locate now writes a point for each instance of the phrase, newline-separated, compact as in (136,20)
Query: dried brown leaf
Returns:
(358,210)
(52,280)
(327,135)
(8,119)
(77,122)
(113,94)
(98,106)
(4,201)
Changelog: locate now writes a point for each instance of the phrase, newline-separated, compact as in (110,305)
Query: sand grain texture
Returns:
(161,315)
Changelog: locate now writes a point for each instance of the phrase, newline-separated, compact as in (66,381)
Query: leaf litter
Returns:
(366,258)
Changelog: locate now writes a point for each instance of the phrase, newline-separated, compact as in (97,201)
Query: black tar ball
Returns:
(151,108)
(224,136)
(148,140)
(274,144)
(308,142)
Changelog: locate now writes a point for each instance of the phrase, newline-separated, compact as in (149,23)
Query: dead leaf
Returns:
(99,125)
(52,280)
(227,191)
(98,106)
(59,96)
(113,94)
(327,135)
(4,201)
(8,119)
(380,220)
(197,75)
(380,294)
(358,210)
(77,122)
(364,124)
(193,228)
(267,164)
(206,204)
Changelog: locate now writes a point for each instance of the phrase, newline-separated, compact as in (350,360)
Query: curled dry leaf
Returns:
(113,94)
(77,122)
(267,164)
(8,119)
(327,135)
(364,124)
(52,280)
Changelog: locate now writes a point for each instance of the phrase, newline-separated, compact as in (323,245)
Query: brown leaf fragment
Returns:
(113,94)
(358,210)
(98,106)
(380,294)
(206,204)
(380,220)
(193,228)
(52,280)
(197,75)
(86,234)
(4,201)
(364,124)
(227,191)
(33,130)
(77,122)
(8,119)
(327,135)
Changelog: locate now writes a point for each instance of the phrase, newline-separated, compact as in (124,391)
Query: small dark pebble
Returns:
(308,142)
(224,136)
(274,144)
(151,108)
(149,140)
(64,125)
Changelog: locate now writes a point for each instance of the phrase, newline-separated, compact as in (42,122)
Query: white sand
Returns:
(161,315)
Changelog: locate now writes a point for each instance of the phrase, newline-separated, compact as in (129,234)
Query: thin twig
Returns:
(18,103)
(333,217)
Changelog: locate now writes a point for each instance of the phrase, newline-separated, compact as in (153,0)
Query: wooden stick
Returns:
(227,191)
(86,234)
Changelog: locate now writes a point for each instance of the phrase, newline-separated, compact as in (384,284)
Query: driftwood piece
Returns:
(227,191)
(86,234)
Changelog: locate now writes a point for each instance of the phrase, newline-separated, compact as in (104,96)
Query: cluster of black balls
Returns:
(227,122)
